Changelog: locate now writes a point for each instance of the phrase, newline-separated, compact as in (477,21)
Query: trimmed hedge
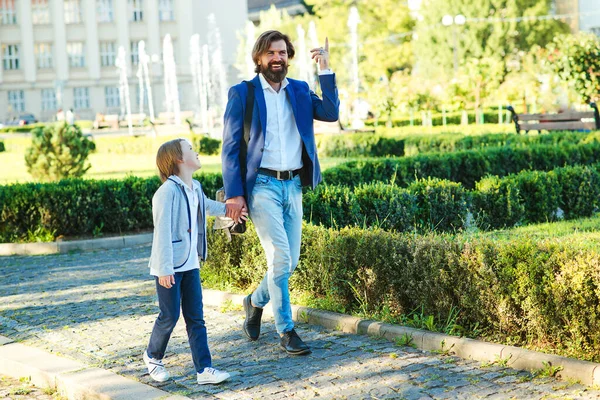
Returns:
(387,144)
(452,118)
(466,167)
(2,147)
(78,207)
(452,142)
(360,144)
(439,205)
(521,291)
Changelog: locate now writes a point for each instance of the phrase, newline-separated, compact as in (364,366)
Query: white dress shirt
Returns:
(283,144)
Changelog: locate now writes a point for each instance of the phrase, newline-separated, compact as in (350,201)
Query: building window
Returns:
(49,100)
(72,11)
(135,53)
(595,30)
(136,10)
(105,10)
(166,10)
(111,94)
(81,98)
(108,54)
(8,12)
(10,56)
(75,50)
(16,99)
(40,12)
(43,55)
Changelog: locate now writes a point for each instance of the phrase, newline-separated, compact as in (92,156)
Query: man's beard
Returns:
(274,76)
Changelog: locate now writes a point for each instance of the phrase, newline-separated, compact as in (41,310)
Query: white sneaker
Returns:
(211,376)
(156,368)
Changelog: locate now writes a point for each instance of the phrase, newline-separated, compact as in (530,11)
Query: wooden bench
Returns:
(136,120)
(169,117)
(566,121)
(106,121)
(336,128)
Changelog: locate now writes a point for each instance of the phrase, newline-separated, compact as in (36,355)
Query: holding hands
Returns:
(321,55)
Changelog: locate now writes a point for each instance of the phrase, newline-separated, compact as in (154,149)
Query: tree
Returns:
(576,59)
(57,152)
(384,37)
(492,30)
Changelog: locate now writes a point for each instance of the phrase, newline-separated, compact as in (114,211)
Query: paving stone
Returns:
(99,307)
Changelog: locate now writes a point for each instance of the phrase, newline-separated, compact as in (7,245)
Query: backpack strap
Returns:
(247,125)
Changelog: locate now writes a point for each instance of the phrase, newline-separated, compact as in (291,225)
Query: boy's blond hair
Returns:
(168,155)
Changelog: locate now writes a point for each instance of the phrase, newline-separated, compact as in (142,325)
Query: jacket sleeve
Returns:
(213,208)
(233,132)
(327,109)
(162,248)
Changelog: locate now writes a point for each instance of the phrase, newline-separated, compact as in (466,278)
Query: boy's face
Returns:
(190,158)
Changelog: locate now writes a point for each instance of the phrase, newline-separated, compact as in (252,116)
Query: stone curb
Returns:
(116,242)
(586,372)
(72,379)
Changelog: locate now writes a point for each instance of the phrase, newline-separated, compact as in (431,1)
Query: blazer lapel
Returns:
(292,98)
(259,95)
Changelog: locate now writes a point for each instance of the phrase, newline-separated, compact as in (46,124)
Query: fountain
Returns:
(250,33)
(217,95)
(144,80)
(170,80)
(303,61)
(353,21)
(314,43)
(198,77)
(121,64)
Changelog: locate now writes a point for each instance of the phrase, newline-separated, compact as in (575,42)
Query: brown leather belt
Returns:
(279,175)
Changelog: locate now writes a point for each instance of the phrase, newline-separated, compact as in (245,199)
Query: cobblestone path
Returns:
(99,307)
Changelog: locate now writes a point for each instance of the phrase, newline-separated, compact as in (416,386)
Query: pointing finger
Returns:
(326,44)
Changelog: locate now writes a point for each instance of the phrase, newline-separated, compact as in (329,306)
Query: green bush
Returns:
(466,167)
(57,152)
(21,128)
(437,118)
(580,190)
(206,145)
(457,142)
(496,203)
(359,144)
(80,207)
(521,291)
(442,205)
(2,147)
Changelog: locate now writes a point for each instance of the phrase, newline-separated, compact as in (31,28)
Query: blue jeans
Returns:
(275,208)
(187,294)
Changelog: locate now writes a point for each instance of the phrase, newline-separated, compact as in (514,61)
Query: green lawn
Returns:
(115,157)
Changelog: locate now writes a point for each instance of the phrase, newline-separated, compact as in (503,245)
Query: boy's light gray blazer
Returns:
(171,244)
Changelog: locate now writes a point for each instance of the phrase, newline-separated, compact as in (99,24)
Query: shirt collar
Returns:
(181,182)
(266,86)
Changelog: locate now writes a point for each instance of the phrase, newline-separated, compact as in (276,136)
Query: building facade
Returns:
(587,12)
(62,53)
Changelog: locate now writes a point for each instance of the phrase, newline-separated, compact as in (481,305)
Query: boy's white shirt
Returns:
(193,261)
(170,215)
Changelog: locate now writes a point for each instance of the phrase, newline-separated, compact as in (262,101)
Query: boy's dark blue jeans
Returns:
(186,293)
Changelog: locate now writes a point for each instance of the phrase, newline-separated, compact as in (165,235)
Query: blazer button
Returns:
(262,149)
(255,169)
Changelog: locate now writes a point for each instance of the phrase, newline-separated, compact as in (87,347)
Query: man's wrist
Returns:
(326,71)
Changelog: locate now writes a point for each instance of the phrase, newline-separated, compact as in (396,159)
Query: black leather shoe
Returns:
(292,344)
(252,322)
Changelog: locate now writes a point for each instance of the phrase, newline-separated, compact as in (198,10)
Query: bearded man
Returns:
(265,172)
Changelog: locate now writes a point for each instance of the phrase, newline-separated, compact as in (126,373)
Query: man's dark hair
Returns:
(264,42)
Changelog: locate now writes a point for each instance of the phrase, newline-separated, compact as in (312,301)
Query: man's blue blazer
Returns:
(306,106)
